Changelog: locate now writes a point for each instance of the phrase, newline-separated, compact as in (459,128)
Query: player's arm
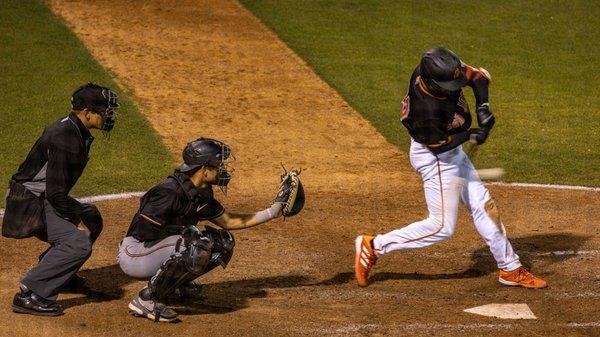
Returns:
(479,80)
(236,220)
(452,142)
(57,173)
(431,133)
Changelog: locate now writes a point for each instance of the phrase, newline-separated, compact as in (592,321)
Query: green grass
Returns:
(41,63)
(543,57)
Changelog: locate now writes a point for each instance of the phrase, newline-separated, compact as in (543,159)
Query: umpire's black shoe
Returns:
(26,302)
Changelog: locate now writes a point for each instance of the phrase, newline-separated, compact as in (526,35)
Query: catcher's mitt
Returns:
(291,193)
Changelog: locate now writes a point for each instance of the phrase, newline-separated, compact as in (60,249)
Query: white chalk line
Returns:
(461,326)
(553,253)
(127,195)
(547,186)
(584,325)
(522,252)
(358,327)
(103,197)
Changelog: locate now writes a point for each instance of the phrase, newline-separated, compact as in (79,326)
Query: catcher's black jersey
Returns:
(432,120)
(172,205)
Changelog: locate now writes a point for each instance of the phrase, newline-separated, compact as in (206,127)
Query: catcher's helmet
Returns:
(208,152)
(441,70)
(98,99)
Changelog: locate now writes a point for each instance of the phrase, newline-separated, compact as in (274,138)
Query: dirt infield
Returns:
(211,68)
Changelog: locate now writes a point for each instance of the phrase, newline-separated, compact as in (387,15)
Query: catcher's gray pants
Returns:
(142,262)
(69,250)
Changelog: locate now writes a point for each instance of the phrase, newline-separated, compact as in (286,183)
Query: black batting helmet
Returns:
(98,99)
(208,152)
(441,70)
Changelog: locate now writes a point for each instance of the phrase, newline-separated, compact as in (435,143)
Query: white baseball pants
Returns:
(448,178)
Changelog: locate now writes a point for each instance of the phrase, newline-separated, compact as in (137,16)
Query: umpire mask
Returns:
(100,100)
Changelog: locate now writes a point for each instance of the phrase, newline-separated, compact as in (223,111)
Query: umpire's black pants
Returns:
(69,250)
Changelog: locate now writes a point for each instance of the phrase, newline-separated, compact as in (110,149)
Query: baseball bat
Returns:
(484,174)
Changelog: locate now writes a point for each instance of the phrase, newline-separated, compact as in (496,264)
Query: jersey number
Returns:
(405,108)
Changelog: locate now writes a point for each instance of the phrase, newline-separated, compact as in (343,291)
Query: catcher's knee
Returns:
(223,244)
(196,259)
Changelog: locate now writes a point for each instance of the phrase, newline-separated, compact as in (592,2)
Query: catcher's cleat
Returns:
(154,311)
(521,277)
(364,259)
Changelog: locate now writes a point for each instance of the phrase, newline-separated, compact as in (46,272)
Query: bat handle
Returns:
(473,139)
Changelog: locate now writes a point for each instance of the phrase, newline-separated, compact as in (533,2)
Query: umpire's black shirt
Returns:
(172,205)
(55,163)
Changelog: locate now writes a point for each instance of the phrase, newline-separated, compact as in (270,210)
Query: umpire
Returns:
(38,202)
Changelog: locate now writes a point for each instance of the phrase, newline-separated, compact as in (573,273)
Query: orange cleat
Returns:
(364,259)
(521,277)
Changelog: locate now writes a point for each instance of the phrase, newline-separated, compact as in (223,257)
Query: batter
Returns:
(437,117)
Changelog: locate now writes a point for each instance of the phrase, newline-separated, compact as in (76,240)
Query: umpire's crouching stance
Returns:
(38,203)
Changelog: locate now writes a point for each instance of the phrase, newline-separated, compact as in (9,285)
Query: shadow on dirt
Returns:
(229,296)
(103,284)
(106,283)
(548,248)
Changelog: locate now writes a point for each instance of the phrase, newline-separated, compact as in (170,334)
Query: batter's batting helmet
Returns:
(208,152)
(441,70)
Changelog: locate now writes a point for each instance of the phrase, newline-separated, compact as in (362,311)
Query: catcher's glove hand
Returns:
(291,193)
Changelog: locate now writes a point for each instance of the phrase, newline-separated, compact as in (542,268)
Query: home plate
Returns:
(506,311)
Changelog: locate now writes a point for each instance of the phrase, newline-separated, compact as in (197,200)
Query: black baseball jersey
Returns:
(172,205)
(434,121)
(55,163)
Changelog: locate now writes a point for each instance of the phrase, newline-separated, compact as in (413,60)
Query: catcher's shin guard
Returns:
(223,244)
(182,267)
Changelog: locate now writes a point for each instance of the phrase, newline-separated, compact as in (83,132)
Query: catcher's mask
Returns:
(212,153)
(100,100)
(442,71)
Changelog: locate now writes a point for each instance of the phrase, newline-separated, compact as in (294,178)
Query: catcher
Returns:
(163,243)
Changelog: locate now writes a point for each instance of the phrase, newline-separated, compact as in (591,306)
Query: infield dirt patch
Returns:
(210,68)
